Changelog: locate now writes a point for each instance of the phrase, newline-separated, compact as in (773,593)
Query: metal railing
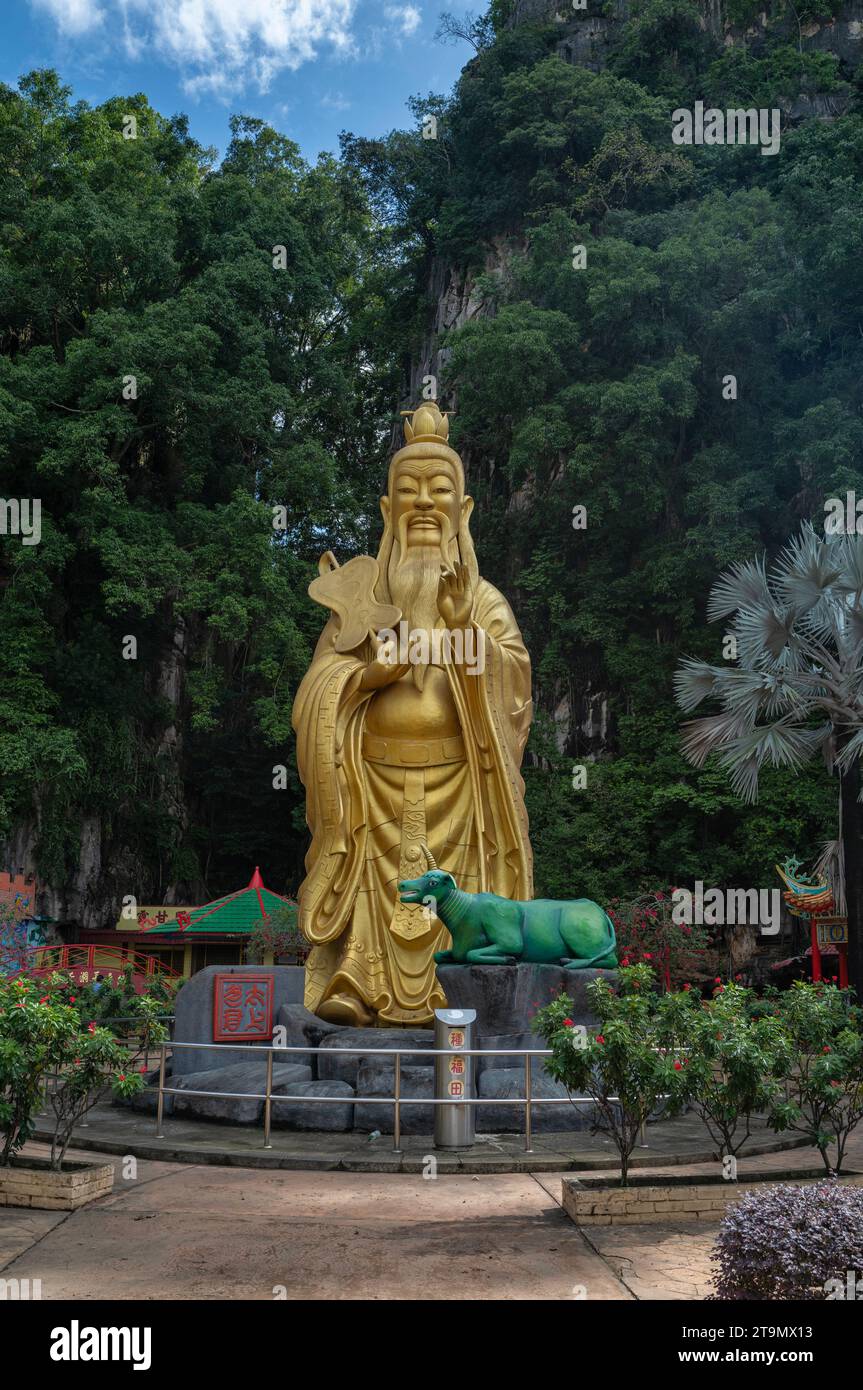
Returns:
(397,1100)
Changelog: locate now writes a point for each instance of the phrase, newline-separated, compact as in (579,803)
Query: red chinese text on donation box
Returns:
(242,1008)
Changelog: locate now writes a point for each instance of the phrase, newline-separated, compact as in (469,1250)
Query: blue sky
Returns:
(309,67)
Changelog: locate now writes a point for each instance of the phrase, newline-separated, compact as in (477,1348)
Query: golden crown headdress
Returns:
(426,424)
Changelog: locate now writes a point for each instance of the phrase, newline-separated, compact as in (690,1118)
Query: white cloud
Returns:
(219,46)
(335,101)
(406,17)
(72,16)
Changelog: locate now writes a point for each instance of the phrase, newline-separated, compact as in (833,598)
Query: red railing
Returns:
(84,963)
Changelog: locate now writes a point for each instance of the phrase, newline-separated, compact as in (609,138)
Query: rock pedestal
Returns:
(505,997)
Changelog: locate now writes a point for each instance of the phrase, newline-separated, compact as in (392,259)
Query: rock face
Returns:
(507,996)
(194,1013)
(249,1077)
(504,1082)
(376,1078)
(295,1115)
(304,1029)
(335,1067)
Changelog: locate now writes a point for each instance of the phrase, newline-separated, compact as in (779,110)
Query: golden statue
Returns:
(409,747)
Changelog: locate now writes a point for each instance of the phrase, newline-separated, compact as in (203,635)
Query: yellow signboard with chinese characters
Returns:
(161,916)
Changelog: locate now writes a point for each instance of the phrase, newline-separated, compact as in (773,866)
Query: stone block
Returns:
(500,1041)
(329,1118)
(504,1082)
(333,1067)
(247,1077)
(376,1078)
(194,1013)
(506,997)
(305,1029)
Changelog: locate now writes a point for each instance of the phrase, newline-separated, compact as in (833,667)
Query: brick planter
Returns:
(32,1182)
(602,1204)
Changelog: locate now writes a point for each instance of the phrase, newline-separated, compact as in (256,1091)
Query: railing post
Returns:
(268,1101)
(160,1106)
(397,1118)
(528,1136)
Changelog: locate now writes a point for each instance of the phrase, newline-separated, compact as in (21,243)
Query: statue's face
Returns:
(425,502)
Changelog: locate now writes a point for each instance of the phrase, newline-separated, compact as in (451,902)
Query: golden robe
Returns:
(372,802)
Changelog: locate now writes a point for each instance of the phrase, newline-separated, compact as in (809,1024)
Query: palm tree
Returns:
(796,689)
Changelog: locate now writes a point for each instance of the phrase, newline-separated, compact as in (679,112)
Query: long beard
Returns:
(413,577)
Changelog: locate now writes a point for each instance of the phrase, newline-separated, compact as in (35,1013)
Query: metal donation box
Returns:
(454,1125)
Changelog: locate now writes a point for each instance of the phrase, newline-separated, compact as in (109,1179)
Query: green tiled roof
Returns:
(234,915)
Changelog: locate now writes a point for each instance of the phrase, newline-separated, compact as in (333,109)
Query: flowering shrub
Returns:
(629,1065)
(823,1084)
(43,1034)
(648,934)
(789,1242)
(736,1055)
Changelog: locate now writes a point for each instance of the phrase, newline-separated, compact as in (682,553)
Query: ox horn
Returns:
(428,854)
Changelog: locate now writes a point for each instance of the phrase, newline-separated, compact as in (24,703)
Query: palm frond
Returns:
(849,550)
(850,751)
(830,865)
(806,570)
(782,744)
(701,737)
(694,681)
(764,635)
(743,586)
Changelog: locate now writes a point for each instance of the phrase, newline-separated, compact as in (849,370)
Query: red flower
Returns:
(678,1066)
(567,1023)
(72,998)
(44,999)
(687,986)
(122,1076)
(599,1038)
(825,1049)
(717,980)
(648,955)
(91,1027)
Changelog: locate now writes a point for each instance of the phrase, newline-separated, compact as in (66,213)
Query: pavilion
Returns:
(217,933)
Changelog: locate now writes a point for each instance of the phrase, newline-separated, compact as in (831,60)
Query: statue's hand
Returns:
(379,673)
(455,596)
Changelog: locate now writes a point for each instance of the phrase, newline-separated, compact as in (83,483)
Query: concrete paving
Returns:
(185,1231)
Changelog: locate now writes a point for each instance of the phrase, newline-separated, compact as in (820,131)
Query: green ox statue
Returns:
(488,930)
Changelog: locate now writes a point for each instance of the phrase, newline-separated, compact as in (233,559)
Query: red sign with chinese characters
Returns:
(242,1007)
